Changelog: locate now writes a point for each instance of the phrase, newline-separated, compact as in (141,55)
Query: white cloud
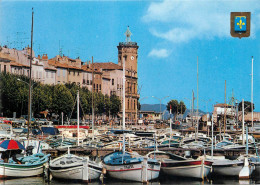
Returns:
(159,53)
(189,19)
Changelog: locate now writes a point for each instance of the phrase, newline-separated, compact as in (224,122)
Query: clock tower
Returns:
(129,51)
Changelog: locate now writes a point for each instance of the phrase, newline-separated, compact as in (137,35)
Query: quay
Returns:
(194,153)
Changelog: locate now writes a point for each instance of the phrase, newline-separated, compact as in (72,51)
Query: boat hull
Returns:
(133,172)
(191,169)
(18,170)
(230,169)
(76,173)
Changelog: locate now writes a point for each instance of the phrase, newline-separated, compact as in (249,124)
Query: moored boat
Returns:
(73,167)
(30,166)
(174,165)
(126,166)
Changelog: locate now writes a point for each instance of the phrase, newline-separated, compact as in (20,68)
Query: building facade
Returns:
(106,78)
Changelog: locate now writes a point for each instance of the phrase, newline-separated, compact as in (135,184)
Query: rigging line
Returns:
(73,108)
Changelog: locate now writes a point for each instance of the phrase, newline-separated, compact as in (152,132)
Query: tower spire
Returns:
(128,34)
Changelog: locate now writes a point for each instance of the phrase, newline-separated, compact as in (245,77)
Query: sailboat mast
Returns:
(123,105)
(123,93)
(93,100)
(212,133)
(243,122)
(30,82)
(252,91)
(197,131)
(78,115)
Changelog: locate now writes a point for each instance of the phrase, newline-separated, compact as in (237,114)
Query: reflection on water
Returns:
(162,181)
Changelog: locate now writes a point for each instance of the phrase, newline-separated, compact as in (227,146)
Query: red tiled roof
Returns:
(89,69)
(5,56)
(58,64)
(222,105)
(18,64)
(107,65)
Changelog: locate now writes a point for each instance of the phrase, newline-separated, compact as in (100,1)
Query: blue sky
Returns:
(170,33)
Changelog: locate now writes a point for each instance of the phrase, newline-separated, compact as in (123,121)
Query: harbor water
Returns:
(166,181)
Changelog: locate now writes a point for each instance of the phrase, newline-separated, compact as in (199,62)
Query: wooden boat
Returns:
(125,166)
(174,165)
(31,166)
(73,167)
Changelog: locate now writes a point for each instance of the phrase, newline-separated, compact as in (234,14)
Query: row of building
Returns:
(106,78)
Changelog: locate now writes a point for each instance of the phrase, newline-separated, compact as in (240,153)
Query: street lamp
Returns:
(160,103)
(137,107)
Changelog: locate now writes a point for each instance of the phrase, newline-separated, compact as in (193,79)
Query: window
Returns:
(87,82)
(128,104)
(100,87)
(47,76)
(73,73)
(134,104)
(58,72)
(69,72)
(5,69)
(84,81)
(113,82)
(64,72)
(52,74)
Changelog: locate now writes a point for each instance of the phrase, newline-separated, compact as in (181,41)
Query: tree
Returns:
(247,106)
(177,107)
(62,100)
(182,107)
(115,105)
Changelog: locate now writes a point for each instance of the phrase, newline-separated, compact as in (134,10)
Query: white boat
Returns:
(73,167)
(31,166)
(125,166)
(174,165)
(226,167)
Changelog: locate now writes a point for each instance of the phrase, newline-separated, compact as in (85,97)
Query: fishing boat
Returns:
(175,165)
(73,167)
(30,166)
(126,166)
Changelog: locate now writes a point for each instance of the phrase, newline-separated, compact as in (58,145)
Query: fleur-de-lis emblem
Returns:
(241,23)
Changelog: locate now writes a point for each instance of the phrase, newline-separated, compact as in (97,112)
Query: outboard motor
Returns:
(29,150)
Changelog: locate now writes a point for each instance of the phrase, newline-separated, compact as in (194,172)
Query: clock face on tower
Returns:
(132,57)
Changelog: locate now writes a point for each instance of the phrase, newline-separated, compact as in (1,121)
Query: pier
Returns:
(194,153)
